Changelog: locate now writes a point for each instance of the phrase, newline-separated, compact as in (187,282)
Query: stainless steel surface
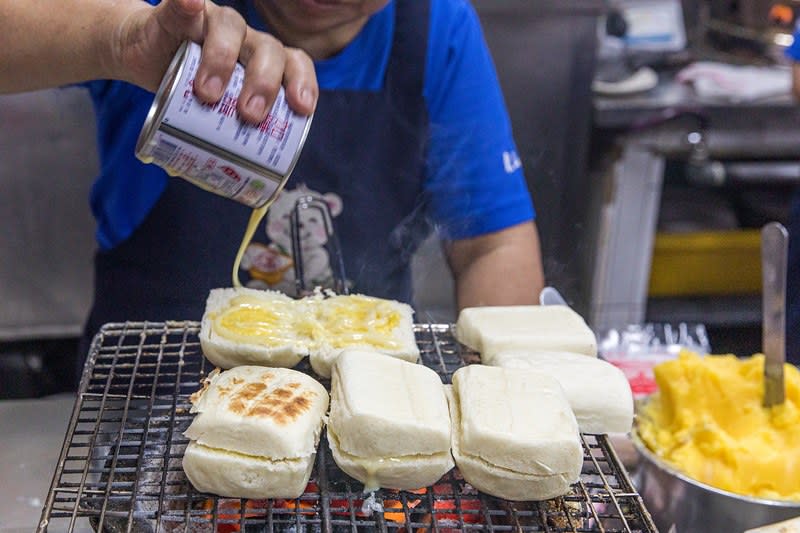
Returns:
(120,464)
(47,163)
(626,111)
(338,282)
(625,234)
(749,172)
(774,250)
(737,132)
(680,504)
(626,205)
(32,432)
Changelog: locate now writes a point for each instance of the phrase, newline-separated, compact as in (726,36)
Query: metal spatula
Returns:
(774,246)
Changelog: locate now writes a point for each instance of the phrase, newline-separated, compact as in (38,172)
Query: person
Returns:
(410,134)
(793,259)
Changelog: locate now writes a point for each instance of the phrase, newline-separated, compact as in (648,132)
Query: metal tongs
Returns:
(774,249)
(311,203)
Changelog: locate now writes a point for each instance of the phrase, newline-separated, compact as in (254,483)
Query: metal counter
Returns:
(626,205)
(32,432)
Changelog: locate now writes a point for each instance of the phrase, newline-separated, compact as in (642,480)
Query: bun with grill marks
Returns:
(256,432)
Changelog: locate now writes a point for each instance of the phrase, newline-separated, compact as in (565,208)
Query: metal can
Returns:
(209,146)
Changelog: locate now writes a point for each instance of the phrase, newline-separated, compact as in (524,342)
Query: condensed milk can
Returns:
(209,146)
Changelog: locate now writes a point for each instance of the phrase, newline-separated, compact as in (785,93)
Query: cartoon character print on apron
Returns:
(271,264)
(364,158)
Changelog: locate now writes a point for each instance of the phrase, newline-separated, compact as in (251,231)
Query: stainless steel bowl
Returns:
(680,504)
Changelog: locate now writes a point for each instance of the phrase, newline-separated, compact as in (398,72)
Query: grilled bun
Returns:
(255,327)
(229,338)
(406,472)
(239,476)
(494,329)
(598,392)
(514,435)
(256,432)
(389,424)
(363,322)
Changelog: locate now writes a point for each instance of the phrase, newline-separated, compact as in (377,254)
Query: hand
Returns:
(148,37)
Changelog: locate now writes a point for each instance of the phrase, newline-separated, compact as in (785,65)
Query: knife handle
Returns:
(774,248)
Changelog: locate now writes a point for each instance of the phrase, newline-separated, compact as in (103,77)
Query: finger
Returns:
(182,19)
(225,32)
(300,80)
(187,8)
(264,59)
(147,46)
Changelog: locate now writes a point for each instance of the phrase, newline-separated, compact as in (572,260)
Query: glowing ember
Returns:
(449,508)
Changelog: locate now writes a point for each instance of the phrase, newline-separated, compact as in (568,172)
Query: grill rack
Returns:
(120,465)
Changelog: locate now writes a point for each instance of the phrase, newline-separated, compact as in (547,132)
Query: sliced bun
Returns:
(405,472)
(514,434)
(235,475)
(490,330)
(598,392)
(264,412)
(254,327)
(389,424)
(508,484)
(277,347)
(255,428)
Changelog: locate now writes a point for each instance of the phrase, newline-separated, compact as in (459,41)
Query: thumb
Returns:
(182,19)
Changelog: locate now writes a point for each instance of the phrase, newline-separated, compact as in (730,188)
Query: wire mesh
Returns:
(120,465)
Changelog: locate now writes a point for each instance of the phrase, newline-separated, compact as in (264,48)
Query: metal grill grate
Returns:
(120,466)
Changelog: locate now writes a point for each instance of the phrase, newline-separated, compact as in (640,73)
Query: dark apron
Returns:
(367,147)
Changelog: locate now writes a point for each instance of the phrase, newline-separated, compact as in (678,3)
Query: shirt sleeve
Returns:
(475,181)
(125,189)
(793,51)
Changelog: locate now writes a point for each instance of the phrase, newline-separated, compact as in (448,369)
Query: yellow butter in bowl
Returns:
(707,420)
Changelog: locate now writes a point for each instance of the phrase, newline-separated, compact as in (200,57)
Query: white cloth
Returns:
(735,82)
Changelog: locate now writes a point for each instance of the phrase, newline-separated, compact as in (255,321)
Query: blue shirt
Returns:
(470,145)
(793,51)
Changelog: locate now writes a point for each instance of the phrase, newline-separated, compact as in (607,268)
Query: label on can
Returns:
(207,143)
(207,170)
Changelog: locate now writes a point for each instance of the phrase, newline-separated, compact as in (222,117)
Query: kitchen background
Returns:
(650,190)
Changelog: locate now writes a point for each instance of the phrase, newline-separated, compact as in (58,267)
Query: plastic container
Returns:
(706,263)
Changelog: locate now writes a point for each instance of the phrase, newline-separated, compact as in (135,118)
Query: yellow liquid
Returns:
(354,320)
(255,219)
(251,320)
(339,322)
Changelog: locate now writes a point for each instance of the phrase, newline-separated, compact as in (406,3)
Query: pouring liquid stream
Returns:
(255,219)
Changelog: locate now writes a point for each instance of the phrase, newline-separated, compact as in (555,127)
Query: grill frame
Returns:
(120,461)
